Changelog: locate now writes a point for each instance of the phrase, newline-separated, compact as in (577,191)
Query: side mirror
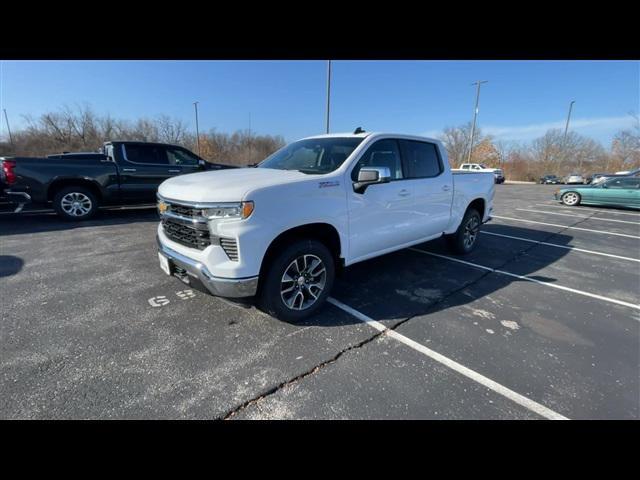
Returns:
(371,176)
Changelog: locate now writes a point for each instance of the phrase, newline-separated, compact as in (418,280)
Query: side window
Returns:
(624,183)
(383,153)
(177,156)
(421,159)
(465,166)
(151,154)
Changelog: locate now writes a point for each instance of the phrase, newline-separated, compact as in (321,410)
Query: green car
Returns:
(617,192)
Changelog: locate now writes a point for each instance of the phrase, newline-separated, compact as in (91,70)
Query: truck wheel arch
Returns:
(323,232)
(479,205)
(60,183)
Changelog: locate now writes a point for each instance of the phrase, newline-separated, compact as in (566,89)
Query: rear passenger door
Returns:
(432,185)
(145,167)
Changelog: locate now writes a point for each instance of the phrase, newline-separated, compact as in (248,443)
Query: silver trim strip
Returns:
(196,204)
(21,204)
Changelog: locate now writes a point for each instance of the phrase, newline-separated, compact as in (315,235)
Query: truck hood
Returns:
(225,185)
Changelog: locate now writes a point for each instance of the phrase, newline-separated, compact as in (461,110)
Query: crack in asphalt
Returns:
(255,400)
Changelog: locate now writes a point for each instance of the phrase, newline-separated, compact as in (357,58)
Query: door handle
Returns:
(446,188)
(128,169)
(174,171)
(404,193)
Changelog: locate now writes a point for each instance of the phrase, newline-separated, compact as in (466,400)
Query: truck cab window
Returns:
(178,156)
(421,159)
(150,154)
(383,153)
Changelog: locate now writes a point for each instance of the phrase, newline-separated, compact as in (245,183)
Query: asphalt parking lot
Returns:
(541,321)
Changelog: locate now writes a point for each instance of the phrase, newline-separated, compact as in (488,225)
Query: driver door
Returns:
(383,216)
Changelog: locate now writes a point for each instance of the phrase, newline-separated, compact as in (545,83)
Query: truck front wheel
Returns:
(75,203)
(298,281)
(466,237)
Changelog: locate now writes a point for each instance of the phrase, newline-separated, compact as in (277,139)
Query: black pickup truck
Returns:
(78,183)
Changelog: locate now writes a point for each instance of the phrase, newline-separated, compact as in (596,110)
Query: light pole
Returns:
(8,128)
(328,92)
(195,104)
(566,127)
(250,141)
(564,138)
(475,115)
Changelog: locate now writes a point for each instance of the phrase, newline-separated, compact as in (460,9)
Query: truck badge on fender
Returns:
(328,184)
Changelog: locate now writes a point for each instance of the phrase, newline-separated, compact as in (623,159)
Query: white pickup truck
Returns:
(280,230)
(481,167)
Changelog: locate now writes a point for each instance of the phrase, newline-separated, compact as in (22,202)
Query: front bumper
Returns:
(219,286)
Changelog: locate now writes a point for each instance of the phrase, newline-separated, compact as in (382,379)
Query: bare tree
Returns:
(171,130)
(625,147)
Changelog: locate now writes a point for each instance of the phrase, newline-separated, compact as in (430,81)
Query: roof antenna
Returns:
(358,130)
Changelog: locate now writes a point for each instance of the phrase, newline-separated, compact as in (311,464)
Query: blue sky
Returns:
(521,100)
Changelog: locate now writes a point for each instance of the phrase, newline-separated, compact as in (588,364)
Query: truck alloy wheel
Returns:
(297,281)
(75,203)
(303,282)
(471,229)
(465,238)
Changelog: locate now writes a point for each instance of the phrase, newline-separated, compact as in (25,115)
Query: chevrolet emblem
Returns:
(162,207)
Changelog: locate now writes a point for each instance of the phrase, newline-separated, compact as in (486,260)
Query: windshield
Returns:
(313,156)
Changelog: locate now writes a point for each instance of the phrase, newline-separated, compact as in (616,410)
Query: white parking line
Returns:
(566,226)
(534,280)
(577,216)
(581,207)
(568,247)
(453,365)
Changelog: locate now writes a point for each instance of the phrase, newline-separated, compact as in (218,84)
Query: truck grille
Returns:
(185,235)
(230,247)
(185,211)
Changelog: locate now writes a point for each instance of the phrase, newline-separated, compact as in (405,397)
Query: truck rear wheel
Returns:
(75,203)
(298,281)
(466,237)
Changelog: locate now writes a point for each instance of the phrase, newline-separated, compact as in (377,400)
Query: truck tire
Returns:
(298,281)
(466,237)
(75,203)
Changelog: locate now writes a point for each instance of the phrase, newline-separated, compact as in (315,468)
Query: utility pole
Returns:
(8,128)
(566,127)
(195,104)
(564,138)
(328,92)
(475,115)
(250,142)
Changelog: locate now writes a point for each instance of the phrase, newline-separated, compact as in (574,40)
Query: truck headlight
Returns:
(228,210)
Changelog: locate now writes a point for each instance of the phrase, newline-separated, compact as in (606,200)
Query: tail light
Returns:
(7,169)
